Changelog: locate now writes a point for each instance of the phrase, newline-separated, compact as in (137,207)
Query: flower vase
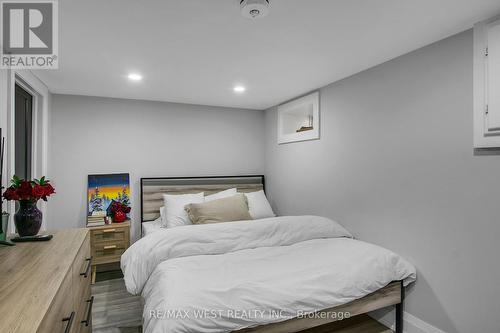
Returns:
(28,218)
(119,217)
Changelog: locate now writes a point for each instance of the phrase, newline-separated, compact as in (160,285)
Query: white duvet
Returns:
(228,276)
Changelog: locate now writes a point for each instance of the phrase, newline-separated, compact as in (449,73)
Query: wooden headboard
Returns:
(152,189)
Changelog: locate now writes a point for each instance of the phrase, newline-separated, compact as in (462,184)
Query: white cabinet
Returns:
(487,84)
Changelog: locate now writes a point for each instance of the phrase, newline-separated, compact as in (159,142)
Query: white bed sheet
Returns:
(149,227)
(229,276)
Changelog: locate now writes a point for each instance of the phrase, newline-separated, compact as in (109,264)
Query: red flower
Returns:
(25,191)
(115,207)
(22,189)
(118,207)
(11,194)
(49,190)
(39,191)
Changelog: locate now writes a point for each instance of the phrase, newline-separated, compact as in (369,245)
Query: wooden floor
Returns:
(116,311)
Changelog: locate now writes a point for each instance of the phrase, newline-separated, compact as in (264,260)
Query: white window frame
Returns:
(39,160)
(483,138)
(311,99)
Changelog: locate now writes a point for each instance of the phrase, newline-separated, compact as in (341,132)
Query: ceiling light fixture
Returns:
(239,89)
(254,9)
(135,77)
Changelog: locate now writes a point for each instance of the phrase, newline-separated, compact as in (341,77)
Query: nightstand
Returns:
(107,243)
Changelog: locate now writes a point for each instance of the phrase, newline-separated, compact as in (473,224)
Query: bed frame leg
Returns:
(399,311)
(399,318)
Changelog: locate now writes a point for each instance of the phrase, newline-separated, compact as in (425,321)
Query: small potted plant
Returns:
(119,211)
(28,218)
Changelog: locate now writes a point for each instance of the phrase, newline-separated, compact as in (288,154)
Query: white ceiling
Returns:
(195,51)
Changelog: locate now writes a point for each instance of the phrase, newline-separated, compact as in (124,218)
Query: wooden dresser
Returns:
(108,242)
(45,286)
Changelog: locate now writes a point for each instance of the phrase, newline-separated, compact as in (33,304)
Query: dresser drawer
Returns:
(117,234)
(108,252)
(61,312)
(83,322)
(82,273)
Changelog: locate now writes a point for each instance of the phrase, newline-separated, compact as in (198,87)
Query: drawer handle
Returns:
(70,322)
(109,247)
(87,270)
(89,312)
(108,230)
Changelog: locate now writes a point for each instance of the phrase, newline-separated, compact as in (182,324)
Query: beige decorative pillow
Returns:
(233,208)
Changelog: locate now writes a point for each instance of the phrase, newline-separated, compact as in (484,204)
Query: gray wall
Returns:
(104,135)
(395,165)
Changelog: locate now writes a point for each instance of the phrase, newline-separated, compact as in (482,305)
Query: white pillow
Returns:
(258,206)
(222,194)
(163,216)
(175,215)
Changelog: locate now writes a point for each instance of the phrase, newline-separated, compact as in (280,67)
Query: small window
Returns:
(298,120)
(23,132)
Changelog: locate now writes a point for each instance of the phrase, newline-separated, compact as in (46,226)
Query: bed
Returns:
(275,275)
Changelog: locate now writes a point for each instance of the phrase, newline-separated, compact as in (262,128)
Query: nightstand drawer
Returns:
(108,242)
(110,234)
(108,252)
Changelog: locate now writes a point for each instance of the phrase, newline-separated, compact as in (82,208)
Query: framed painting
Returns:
(102,190)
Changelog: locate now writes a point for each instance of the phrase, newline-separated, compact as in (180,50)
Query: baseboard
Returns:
(411,324)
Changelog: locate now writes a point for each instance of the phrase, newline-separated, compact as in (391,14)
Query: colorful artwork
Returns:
(103,190)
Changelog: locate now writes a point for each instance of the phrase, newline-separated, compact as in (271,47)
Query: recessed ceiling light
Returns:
(239,89)
(135,77)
